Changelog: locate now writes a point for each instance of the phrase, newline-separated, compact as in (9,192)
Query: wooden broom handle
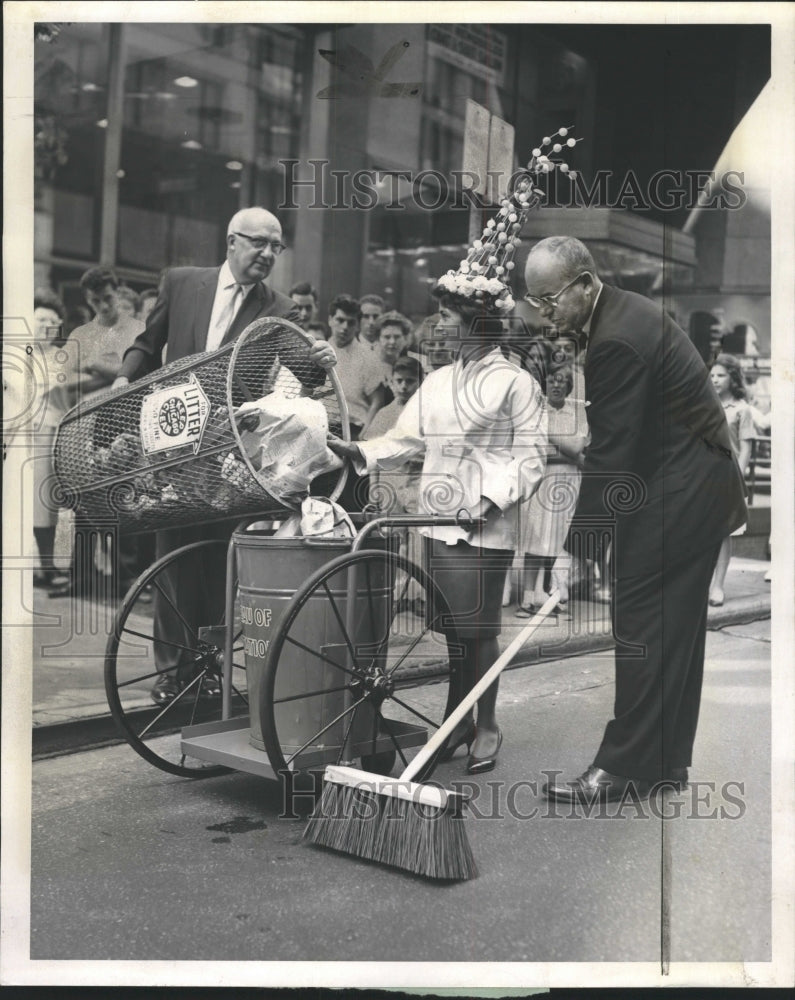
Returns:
(458,713)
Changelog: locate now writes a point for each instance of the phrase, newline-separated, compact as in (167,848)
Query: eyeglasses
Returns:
(261,242)
(552,300)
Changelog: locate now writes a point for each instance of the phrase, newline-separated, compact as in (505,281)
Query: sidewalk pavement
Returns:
(69,644)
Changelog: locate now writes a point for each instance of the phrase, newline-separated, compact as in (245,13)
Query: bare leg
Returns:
(533,581)
(716,595)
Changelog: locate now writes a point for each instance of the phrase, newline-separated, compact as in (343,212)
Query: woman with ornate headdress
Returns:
(480,425)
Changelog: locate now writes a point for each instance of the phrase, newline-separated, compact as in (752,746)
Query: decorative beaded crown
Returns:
(481,278)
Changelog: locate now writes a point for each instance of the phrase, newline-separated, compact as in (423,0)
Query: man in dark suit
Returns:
(201,309)
(660,471)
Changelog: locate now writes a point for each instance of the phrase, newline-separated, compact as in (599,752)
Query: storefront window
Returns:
(149,137)
(70,117)
(208,112)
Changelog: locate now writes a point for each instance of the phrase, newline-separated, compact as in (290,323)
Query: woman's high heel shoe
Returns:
(460,737)
(479,765)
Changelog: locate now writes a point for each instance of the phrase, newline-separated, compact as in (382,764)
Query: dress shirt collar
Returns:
(586,328)
(227,280)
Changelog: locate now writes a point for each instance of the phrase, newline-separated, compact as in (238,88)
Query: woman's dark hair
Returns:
(478,321)
(408,366)
(735,373)
(536,355)
(49,300)
(564,372)
(394,318)
(124,292)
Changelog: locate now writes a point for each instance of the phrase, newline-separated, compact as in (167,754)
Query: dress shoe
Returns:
(596,785)
(479,765)
(210,689)
(462,735)
(677,778)
(165,689)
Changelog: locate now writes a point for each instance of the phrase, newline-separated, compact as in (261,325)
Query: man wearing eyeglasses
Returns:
(204,308)
(660,473)
(201,309)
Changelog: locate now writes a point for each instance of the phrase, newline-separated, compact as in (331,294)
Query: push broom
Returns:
(399,822)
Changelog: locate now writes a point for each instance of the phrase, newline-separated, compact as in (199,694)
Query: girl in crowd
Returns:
(727,378)
(545,518)
(480,424)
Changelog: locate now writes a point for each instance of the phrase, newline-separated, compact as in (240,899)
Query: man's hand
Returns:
(345,449)
(322,354)
(120,382)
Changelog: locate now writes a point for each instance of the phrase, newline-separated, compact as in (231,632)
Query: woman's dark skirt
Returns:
(472,580)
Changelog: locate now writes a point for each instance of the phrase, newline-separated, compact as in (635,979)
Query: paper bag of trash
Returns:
(285,441)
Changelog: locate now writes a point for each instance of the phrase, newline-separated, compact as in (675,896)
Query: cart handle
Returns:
(462,519)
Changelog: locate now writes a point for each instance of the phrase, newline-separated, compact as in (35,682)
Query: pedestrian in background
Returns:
(727,378)
(129,303)
(371,309)
(94,357)
(394,330)
(397,491)
(359,372)
(305,298)
(48,315)
(146,302)
(546,516)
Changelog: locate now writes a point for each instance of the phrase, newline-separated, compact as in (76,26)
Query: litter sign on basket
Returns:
(174,417)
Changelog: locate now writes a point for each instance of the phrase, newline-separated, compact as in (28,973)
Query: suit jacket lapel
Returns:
(205,296)
(254,305)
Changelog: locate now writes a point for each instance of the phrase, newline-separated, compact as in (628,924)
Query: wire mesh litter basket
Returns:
(185,445)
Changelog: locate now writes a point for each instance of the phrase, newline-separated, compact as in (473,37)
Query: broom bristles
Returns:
(393,830)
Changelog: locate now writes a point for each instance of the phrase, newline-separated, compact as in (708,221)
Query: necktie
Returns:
(221,326)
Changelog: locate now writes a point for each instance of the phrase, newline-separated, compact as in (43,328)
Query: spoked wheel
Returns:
(366,685)
(155,638)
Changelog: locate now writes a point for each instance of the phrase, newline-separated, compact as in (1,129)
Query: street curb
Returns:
(91,732)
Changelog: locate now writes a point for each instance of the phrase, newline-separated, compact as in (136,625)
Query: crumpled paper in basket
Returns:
(319,518)
(287,445)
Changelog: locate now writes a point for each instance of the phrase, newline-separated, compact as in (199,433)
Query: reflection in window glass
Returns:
(208,113)
(70,116)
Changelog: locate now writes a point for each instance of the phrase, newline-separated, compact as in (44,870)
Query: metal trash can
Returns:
(165,451)
(270,570)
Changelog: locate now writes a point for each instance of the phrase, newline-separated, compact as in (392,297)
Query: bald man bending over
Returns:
(660,466)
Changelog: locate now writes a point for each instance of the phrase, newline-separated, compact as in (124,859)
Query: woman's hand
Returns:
(483,508)
(345,449)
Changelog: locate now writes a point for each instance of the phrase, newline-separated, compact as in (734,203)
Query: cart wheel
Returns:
(195,650)
(372,685)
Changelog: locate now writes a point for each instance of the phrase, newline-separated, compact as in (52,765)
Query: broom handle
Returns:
(458,713)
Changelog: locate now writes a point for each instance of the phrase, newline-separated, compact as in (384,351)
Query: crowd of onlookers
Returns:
(382,357)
